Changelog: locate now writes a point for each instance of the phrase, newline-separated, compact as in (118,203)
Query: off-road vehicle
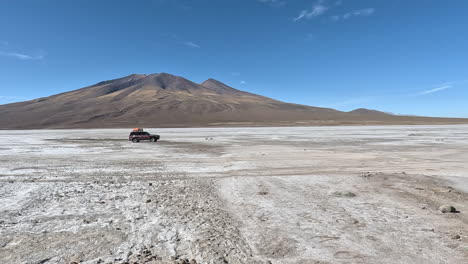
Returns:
(137,136)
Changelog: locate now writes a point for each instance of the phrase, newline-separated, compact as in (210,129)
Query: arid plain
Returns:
(357,194)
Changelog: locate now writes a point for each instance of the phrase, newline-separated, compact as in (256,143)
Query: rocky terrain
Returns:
(235,195)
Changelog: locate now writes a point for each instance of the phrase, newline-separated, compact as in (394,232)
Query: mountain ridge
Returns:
(165,100)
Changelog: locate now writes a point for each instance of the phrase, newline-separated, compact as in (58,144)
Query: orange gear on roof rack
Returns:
(137,130)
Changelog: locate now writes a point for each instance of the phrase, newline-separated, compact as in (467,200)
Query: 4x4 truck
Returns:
(139,135)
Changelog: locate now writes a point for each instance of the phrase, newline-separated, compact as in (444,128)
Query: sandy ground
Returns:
(235,195)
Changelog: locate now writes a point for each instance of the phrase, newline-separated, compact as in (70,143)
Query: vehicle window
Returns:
(145,133)
(132,134)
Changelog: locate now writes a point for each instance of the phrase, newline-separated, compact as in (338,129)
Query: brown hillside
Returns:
(164,100)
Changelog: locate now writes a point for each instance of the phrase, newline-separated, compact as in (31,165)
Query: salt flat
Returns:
(235,195)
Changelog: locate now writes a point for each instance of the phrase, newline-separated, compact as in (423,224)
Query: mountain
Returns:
(164,100)
(369,112)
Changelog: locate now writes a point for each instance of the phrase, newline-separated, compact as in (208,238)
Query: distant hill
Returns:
(164,100)
(369,112)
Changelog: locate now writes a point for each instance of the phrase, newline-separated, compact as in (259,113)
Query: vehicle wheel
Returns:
(134,140)
(153,140)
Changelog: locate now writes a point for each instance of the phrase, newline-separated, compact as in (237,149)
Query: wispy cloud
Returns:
(243,82)
(269,1)
(434,90)
(192,44)
(274,3)
(360,12)
(394,95)
(317,10)
(22,56)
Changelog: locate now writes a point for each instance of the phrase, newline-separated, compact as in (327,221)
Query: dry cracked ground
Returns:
(235,195)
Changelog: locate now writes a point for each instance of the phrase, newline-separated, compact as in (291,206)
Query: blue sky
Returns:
(400,56)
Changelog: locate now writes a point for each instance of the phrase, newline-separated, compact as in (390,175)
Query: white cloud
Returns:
(22,56)
(441,87)
(438,89)
(192,44)
(243,82)
(274,3)
(360,12)
(317,10)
